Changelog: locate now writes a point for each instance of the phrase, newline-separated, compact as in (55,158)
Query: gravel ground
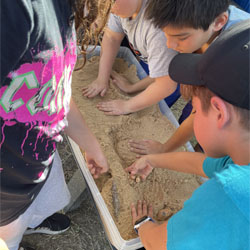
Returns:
(86,232)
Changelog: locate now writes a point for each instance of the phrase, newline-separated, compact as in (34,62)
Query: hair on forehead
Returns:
(197,14)
(205,95)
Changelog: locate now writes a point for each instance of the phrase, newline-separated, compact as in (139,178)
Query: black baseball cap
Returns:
(224,67)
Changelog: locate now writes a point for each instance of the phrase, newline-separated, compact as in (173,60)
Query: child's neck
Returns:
(208,43)
(239,149)
(137,10)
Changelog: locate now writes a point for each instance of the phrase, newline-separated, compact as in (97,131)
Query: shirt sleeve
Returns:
(208,220)
(212,165)
(159,55)
(114,24)
(16,28)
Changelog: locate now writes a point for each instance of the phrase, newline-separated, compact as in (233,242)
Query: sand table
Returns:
(166,190)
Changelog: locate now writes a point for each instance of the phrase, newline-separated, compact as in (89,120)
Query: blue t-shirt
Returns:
(235,15)
(218,213)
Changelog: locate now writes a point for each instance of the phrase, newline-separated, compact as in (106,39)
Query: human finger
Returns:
(97,173)
(89,165)
(94,93)
(108,109)
(137,144)
(131,169)
(139,208)
(138,147)
(93,171)
(145,173)
(138,151)
(104,105)
(85,91)
(103,169)
(150,210)
(103,92)
(88,92)
(134,213)
(144,208)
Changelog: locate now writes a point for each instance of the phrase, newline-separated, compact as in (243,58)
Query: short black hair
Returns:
(197,14)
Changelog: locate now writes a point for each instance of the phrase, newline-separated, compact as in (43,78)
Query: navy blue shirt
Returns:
(38,54)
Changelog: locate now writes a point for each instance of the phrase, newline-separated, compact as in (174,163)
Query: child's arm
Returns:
(187,162)
(126,86)
(154,236)
(182,135)
(110,46)
(159,89)
(78,130)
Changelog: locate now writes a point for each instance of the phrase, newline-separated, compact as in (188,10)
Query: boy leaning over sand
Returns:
(127,19)
(217,215)
(190,27)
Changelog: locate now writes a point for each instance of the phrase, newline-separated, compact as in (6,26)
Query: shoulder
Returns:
(216,216)
(235,181)
(214,165)
(235,15)
(13,11)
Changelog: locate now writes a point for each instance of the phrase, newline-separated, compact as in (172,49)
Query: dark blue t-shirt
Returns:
(38,54)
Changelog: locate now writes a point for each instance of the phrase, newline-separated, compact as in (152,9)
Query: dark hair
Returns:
(185,13)
(205,95)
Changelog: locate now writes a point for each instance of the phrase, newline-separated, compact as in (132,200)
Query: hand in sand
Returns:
(115,107)
(145,147)
(141,210)
(141,167)
(95,88)
(97,165)
(121,82)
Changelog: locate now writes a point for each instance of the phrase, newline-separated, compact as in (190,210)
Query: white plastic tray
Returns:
(112,232)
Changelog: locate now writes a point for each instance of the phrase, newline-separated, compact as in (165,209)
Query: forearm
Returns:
(154,236)
(109,49)
(141,85)
(78,131)
(159,89)
(181,136)
(186,162)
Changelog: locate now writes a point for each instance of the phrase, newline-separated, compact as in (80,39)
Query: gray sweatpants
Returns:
(53,197)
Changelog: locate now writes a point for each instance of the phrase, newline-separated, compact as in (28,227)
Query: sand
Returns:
(166,190)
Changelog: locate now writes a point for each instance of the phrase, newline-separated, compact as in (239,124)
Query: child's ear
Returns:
(221,111)
(220,21)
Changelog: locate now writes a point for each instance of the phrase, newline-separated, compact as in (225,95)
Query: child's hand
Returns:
(95,88)
(145,147)
(141,167)
(96,166)
(121,82)
(115,107)
(141,210)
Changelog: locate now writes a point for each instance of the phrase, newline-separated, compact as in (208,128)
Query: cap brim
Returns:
(184,69)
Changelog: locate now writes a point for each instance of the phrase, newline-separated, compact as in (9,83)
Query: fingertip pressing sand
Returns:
(166,190)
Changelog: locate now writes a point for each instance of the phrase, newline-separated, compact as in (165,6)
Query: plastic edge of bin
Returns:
(112,232)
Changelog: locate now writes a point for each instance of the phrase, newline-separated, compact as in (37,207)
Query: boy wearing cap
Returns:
(217,215)
(190,27)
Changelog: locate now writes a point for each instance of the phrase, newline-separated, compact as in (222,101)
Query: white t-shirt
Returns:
(148,42)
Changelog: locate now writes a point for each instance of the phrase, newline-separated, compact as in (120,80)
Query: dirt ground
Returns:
(85,220)
(86,231)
